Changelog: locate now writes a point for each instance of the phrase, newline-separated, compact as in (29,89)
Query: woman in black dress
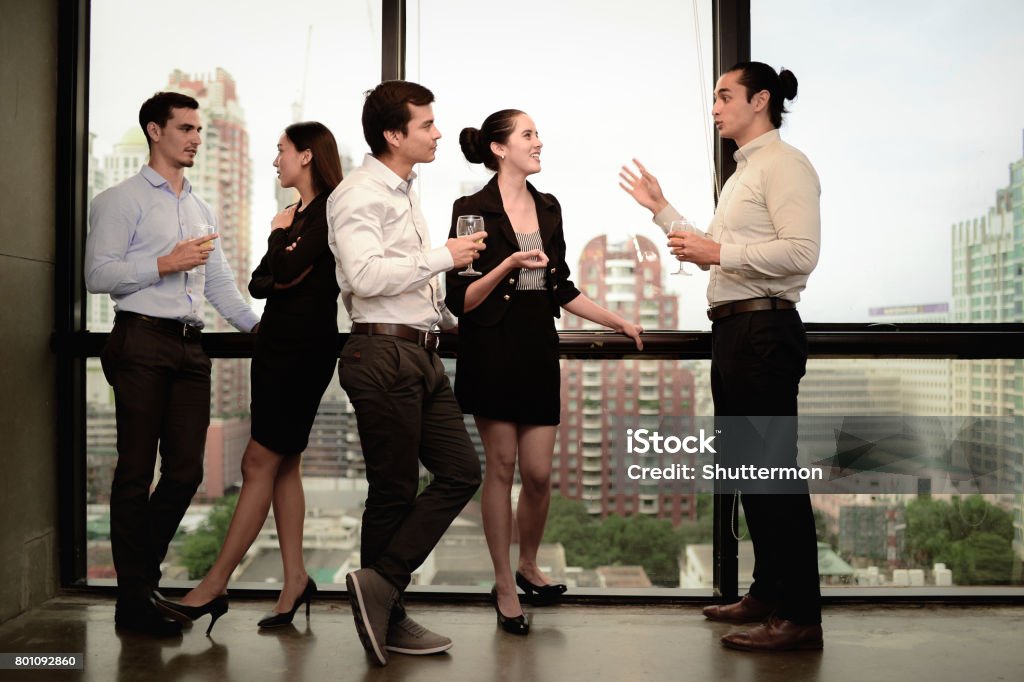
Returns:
(296,352)
(507,372)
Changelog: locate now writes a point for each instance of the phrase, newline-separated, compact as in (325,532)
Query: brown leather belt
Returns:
(748,306)
(428,340)
(174,327)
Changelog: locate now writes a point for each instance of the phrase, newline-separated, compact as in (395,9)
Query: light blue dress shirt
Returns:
(132,224)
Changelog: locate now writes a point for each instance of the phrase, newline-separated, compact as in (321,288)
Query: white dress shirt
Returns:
(768,222)
(386,268)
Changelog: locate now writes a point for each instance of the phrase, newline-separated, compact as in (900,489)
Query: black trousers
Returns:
(406,414)
(757,361)
(161,385)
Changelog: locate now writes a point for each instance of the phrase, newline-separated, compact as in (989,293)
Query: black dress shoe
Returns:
(276,620)
(545,594)
(146,620)
(216,607)
(519,625)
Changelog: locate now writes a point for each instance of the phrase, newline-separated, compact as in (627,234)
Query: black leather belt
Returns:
(428,340)
(176,328)
(749,305)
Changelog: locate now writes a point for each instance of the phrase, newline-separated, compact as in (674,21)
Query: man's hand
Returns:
(186,255)
(284,218)
(466,249)
(531,260)
(693,248)
(643,187)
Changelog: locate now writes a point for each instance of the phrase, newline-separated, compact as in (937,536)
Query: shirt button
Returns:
(555,288)
(507,297)
(554,270)
(190,290)
(511,280)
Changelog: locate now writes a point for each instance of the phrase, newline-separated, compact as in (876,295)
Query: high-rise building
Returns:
(222,177)
(988,286)
(600,399)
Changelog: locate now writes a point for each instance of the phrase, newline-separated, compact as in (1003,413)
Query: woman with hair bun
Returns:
(761,247)
(507,373)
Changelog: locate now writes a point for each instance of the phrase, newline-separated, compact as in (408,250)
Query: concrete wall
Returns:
(28,446)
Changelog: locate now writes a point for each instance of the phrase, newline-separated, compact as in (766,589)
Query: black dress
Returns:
(297,341)
(507,366)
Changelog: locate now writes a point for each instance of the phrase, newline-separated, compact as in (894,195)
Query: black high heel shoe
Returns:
(514,626)
(275,620)
(545,594)
(216,607)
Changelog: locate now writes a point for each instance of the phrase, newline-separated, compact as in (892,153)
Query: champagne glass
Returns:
(681,225)
(466,225)
(202,233)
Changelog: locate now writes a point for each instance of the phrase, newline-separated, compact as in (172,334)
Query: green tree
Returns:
(617,540)
(199,549)
(971,536)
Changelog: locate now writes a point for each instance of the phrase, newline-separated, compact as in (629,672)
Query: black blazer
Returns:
(310,308)
(501,243)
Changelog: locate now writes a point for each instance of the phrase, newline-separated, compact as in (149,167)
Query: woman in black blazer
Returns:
(296,353)
(507,372)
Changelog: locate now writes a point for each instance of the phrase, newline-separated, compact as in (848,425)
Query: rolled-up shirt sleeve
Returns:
(370,270)
(109,269)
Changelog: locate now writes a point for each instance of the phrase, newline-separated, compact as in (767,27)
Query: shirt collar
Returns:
(746,151)
(380,171)
(157,180)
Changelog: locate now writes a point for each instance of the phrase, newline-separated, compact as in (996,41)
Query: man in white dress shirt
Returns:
(761,247)
(405,408)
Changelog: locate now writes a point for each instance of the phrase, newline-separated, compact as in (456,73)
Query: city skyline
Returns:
(942,151)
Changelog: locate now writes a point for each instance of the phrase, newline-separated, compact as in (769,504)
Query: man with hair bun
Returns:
(405,410)
(761,247)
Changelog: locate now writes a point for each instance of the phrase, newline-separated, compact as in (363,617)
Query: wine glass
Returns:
(681,225)
(466,225)
(201,233)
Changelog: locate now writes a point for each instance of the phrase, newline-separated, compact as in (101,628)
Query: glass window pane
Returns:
(253,75)
(916,137)
(631,82)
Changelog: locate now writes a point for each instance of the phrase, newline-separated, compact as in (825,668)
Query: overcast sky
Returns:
(910,111)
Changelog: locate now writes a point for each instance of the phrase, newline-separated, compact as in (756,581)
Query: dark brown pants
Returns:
(162,396)
(406,414)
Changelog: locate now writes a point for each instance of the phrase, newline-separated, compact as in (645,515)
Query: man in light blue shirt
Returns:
(141,251)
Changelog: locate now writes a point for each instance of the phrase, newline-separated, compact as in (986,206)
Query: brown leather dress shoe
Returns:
(776,635)
(750,609)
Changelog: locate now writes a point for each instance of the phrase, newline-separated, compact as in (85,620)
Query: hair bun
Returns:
(469,140)
(789,84)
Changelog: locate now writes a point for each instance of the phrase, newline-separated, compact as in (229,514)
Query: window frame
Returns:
(73,345)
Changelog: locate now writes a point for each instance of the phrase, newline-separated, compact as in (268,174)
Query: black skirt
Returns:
(509,371)
(289,377)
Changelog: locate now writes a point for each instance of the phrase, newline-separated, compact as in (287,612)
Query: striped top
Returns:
(530,280)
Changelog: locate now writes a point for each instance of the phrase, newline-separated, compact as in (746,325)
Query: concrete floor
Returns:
(566,642)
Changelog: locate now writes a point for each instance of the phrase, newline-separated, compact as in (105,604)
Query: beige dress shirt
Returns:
(768,222)
(387,271)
